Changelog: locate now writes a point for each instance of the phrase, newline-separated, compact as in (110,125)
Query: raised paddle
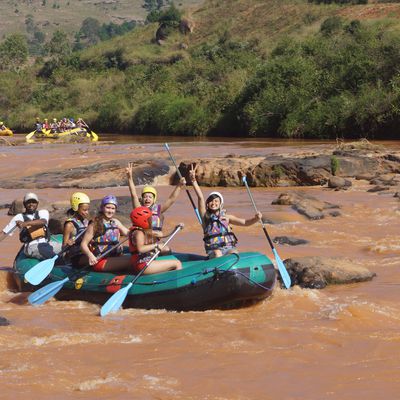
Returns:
(46,292)
(187,190)
(95,138)
(282,270)
(39,272)
(115,301)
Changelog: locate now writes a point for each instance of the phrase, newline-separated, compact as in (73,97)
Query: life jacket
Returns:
(157,219)
(104,241)
(38,127)
(80,226)
(217,232)
(28,234)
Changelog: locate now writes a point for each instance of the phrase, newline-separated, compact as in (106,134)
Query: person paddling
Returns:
(149,199)
(103,233)
(74,226)
(143,244)
(34,231)
(218,236)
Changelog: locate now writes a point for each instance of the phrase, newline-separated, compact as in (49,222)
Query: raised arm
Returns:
(174,195)
(132,187)
(244,222)
(199,193)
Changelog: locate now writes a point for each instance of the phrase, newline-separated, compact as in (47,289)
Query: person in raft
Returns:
(149,199)
(34,231)
(102,234)
(76,223)
(218,236)
(143,244)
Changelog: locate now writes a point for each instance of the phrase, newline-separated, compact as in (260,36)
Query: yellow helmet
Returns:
(1,122)
(79,198)
(150,189)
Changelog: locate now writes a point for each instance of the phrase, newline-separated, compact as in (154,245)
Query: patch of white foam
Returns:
(93,384)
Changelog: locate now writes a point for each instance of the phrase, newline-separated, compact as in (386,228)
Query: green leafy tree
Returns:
(13,52)
(59,46)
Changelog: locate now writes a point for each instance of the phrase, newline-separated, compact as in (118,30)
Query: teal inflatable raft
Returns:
(231,281)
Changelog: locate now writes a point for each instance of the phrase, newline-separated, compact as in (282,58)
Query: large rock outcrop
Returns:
(318,272)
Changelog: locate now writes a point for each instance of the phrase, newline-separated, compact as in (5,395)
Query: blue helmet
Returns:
(108,200)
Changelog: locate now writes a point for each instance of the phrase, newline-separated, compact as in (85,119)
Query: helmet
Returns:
(54,119)
(31,196)
(108,200)
(71,120)
(150,189)
(78,198)
(212,196)
(46,119)
(1,122)
(37,119)
(140,217)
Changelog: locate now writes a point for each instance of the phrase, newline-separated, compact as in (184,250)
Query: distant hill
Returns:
(283,68)
(67,15)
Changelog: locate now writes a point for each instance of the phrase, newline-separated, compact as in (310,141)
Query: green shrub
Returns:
(335,165)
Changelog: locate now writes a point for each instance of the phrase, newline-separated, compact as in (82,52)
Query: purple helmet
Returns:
(108,200)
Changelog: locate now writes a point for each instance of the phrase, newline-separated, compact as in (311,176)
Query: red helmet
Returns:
(140,217)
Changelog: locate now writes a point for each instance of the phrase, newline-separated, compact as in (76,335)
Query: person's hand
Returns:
(258,215)
(92,259)
(20,224)
(128,169)
(70,242)
(192,173)
(182,182)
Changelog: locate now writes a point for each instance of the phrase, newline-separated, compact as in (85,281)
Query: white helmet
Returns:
(218,194)
(31,196)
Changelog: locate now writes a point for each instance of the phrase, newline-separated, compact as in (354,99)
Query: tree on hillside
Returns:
(90,30)
(13,52)
(59,46)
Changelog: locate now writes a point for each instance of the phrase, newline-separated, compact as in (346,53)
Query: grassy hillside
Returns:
(50,15)
(250,67)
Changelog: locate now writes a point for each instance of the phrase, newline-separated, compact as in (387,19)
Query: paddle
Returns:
(95,138)
(187,190)
(39,272)
(29,135)
(46,292)
(282,270)
(115,301)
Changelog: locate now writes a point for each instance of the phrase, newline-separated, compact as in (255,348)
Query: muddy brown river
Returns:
(342,342)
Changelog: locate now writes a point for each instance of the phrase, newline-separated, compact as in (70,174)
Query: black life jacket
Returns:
(27,235)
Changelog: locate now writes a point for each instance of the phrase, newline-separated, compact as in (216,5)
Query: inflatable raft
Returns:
(6,132)
(76,132)
(231,281)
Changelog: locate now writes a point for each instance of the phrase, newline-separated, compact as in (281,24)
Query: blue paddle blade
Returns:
(43,294)
(39,272)
(198,216)
(115,301)
(282,270)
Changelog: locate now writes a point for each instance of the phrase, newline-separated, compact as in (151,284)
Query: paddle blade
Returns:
(45,293)
(29,135)
(282,270)
(115,301)
(95,138)
(39,272)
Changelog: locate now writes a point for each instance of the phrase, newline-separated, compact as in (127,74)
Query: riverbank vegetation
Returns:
(287,68)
